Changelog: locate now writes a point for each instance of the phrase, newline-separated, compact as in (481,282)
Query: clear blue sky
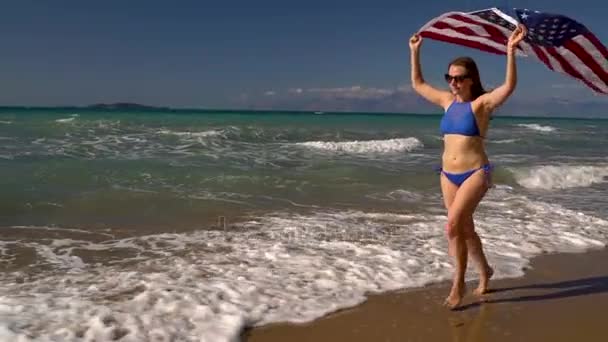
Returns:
(235,54)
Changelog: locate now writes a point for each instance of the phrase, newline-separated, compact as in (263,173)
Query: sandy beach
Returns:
(562,297)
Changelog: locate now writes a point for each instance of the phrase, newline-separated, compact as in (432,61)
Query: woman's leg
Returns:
(475,249)
(466,199)
(448,190)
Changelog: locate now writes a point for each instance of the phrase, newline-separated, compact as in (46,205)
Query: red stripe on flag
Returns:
(596,42)
(461,41)
(568,68)
(587,59)
(541,55)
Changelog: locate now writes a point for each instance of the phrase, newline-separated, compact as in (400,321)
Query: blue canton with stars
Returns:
(547,29)
(544,29)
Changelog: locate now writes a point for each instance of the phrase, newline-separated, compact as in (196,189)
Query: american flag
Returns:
(561,43)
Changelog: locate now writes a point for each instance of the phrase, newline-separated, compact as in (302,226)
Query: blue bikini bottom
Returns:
(459,178)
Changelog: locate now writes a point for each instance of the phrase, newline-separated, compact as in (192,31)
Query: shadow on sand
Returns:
(569,288)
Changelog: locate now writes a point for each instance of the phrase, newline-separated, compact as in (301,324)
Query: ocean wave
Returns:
(365,147)
(503,141)
(203,134)
(537,127)
(560,176)
(66,120)
(401,195)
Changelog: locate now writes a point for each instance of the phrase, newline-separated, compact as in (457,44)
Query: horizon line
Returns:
(137,107)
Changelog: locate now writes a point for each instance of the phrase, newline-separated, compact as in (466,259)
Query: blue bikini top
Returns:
(459,119)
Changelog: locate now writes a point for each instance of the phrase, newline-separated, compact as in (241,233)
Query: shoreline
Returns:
(560,297)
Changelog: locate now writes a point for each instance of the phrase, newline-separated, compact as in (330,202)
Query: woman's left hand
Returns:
(517,36)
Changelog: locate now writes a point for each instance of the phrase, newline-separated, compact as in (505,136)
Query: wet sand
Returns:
(562,297)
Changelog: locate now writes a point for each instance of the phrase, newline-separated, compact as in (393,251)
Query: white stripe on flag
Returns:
(505,16)
(437,19)
(554,64)
(527,49)
(480,31)
(539,52)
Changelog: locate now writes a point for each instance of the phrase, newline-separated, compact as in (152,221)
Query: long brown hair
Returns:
(473,72)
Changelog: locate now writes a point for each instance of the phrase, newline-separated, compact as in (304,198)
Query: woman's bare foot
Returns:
(483,282)
(455,296)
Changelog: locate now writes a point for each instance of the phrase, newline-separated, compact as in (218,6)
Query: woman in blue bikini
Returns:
(465,172)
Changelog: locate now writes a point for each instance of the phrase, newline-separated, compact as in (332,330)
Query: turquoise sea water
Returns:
(122,209)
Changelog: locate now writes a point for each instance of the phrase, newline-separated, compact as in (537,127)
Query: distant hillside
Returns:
(125,106)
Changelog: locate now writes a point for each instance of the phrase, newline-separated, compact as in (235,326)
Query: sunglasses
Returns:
(457,78)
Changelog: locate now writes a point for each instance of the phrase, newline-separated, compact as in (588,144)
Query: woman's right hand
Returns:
(415,42)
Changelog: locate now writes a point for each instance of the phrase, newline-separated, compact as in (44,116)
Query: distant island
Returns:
(125,106)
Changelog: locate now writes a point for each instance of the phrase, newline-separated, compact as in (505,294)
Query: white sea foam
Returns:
(62,230)
(505,158)
(66,120)
(561,176)
(537,127)
(398,195)
(210,133)
(504,141)
(108,139)
(209,284)
(364,147)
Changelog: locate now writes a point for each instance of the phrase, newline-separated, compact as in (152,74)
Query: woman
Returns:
(465,172)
